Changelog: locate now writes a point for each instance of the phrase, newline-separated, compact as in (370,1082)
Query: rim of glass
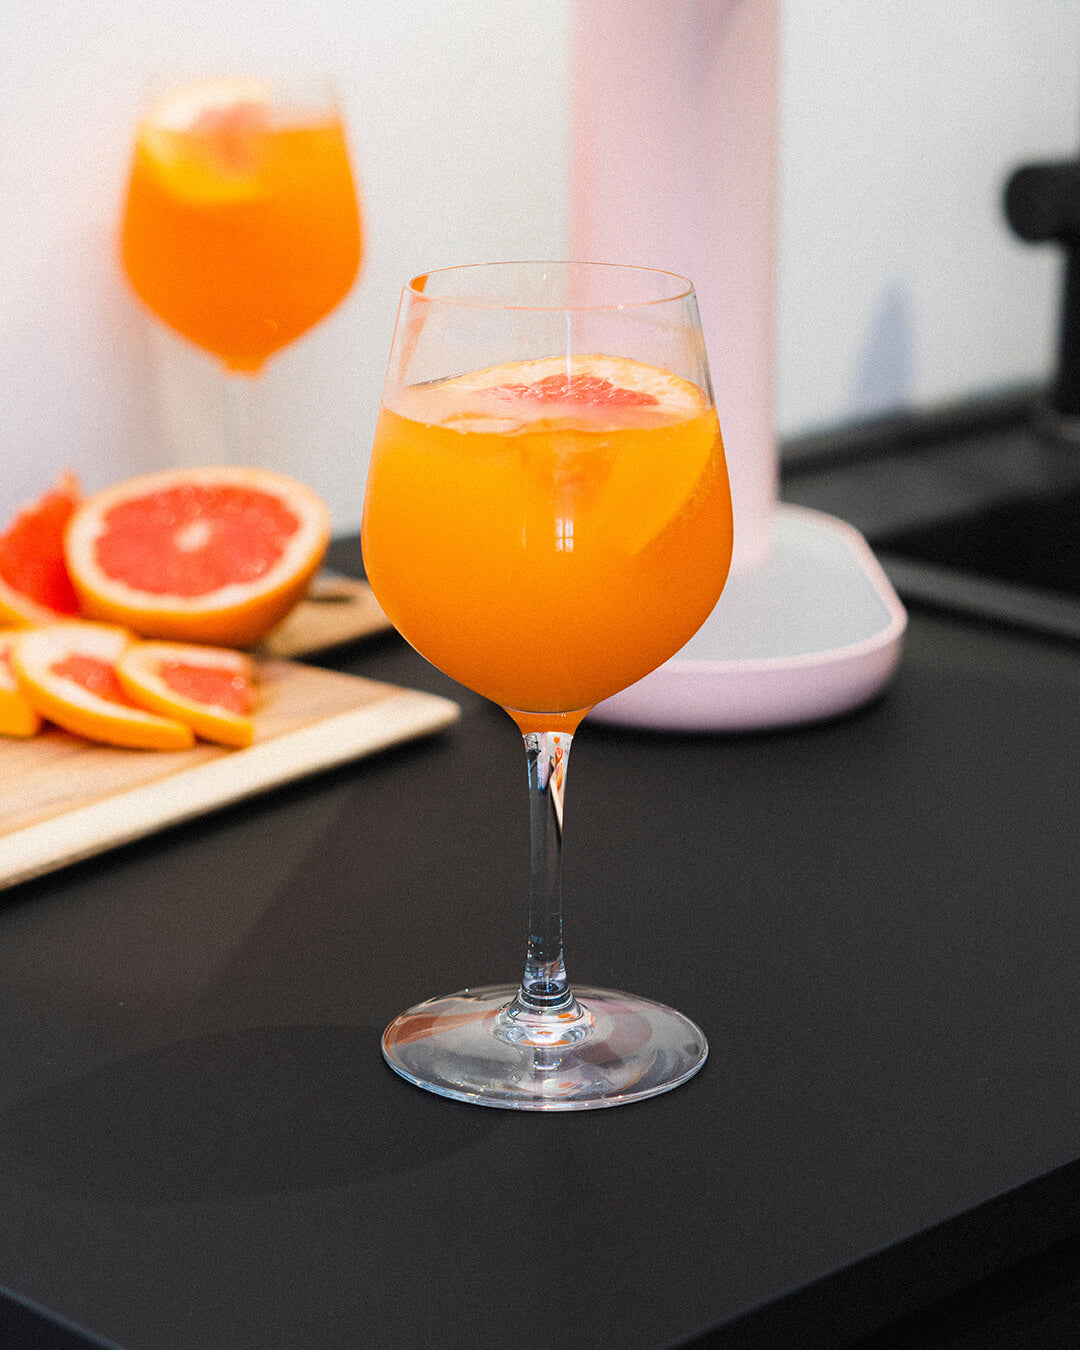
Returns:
(314,87)
(683,290)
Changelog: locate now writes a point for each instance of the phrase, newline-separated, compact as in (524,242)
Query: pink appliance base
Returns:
(814,631)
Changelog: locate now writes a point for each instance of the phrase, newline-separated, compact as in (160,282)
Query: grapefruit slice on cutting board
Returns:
(214,555)
(209,688)
(34,582)
(67,672)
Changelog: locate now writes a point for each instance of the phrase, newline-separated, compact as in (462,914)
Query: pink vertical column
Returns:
(674,149)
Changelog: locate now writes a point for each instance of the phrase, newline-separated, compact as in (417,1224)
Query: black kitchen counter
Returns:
(876,921)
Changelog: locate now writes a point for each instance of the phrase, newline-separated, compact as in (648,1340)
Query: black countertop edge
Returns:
(865,1300)
(25,1325)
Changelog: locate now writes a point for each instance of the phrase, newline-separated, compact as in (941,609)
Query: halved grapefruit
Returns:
(209,688)
(17,717)
(67,671)
(215,555)
(204,141)
(34,582)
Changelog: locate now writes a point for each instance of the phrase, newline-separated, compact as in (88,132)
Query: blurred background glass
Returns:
(241,227)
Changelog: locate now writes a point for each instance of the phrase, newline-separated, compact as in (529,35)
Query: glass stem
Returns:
(244,420)
(544,986)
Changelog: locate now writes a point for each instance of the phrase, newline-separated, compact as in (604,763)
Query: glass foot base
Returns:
(617,1049)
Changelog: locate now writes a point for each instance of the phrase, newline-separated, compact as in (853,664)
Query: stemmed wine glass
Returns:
(547,519)
(241,226)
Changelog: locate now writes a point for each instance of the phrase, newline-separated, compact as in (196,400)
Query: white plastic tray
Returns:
(814,631)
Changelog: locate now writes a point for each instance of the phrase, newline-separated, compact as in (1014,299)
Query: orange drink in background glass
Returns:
(547,519)
(241,229)
(241,226)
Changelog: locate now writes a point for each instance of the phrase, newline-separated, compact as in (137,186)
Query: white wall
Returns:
(898,281)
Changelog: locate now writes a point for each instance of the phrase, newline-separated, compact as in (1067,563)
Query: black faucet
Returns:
(1042,202)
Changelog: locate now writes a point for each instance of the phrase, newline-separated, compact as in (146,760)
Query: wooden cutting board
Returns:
(335,610)
(63,798)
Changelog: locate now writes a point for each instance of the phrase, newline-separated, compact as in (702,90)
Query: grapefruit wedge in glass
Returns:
(17,716)
(589,425)
(584,391)
(34,583)
(206,142)
(209,688)
(67,672)
(214,555)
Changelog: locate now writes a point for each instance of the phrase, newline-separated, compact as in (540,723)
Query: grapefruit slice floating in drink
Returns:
(34,583)
(67,672)
(209,688)
(205,142)
(583,419)
(582,392)
(17,716)
(215,555)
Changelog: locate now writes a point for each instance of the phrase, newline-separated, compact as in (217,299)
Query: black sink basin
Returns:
(974,512)
(1031,543)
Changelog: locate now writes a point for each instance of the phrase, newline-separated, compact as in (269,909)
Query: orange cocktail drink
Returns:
(547,532)
(241,229)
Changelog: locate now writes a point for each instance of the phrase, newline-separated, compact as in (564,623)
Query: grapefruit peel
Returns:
(208,688)
(34,583)
(17,716)
(66,671)
(191,519)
